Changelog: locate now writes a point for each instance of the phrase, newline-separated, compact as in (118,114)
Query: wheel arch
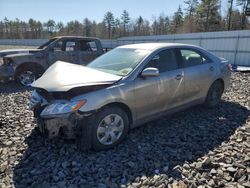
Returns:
(221,81)
(124,107)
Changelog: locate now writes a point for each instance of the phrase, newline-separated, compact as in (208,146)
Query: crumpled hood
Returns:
(18,51)
(62,76)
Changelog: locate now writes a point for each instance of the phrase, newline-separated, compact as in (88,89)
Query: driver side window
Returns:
(58,46)
(164,61)
(70,46)
(65,46)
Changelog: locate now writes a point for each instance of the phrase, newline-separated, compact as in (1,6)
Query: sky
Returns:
(68,10)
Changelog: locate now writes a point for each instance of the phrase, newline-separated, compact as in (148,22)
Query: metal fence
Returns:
(232,45)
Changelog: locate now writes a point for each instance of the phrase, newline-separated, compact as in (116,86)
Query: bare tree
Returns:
(229,14)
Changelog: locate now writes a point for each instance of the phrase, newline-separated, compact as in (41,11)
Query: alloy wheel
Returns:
(110,129)
(27,78)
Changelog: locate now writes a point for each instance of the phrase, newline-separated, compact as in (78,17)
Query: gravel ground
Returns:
(195,148)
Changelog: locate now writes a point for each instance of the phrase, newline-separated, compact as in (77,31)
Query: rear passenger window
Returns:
(165,61)
(93,46)
(87,46)
(191,58)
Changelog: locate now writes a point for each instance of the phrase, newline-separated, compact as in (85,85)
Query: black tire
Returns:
(31,71)
(214,94)
(95,121)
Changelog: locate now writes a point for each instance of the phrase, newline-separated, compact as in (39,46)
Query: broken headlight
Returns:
(61,108)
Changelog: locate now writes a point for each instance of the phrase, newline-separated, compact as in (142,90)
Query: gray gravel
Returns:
(195,148)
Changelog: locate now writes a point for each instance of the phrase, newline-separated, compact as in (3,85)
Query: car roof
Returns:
(75,37)
(154,46)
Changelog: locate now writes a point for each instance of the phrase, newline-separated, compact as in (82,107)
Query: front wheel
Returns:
(107,128)
(111,127)
(214,94)
(27,75)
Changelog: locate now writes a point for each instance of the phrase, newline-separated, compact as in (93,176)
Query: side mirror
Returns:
(150,72)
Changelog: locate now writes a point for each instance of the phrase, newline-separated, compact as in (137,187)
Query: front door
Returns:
(157,94)
(64,51)
(172,76)
(147,92)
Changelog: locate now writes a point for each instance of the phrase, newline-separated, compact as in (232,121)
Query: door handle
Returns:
(178,77)
(211,68)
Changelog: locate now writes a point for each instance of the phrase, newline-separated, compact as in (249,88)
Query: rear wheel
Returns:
(214,94)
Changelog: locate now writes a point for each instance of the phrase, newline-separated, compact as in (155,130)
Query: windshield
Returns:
(46,44)
(120,61)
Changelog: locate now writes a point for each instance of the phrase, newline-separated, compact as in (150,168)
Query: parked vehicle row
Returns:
(99,103)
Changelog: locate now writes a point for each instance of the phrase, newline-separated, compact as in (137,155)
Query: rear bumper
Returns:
(6,74)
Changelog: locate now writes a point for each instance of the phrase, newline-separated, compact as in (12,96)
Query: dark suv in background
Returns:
(26,65)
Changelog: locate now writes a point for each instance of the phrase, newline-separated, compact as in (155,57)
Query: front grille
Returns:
(50,96)
(67,95)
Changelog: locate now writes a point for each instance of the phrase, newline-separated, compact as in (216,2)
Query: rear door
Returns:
(88,51)
(199,73)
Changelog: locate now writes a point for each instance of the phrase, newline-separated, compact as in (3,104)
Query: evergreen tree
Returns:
(191,7)
(87,27)
(208,16)
(59,27)
(125,21)
(50,25)
(109,23)
(177,21)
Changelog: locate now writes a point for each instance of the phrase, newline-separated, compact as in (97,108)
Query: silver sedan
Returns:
(99,103)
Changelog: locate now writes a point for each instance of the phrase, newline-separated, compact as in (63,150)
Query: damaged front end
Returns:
(64,127)
(57,114)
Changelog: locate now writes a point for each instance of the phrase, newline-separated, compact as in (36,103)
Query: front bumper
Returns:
(6,74)
(75,126)
(65,127)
